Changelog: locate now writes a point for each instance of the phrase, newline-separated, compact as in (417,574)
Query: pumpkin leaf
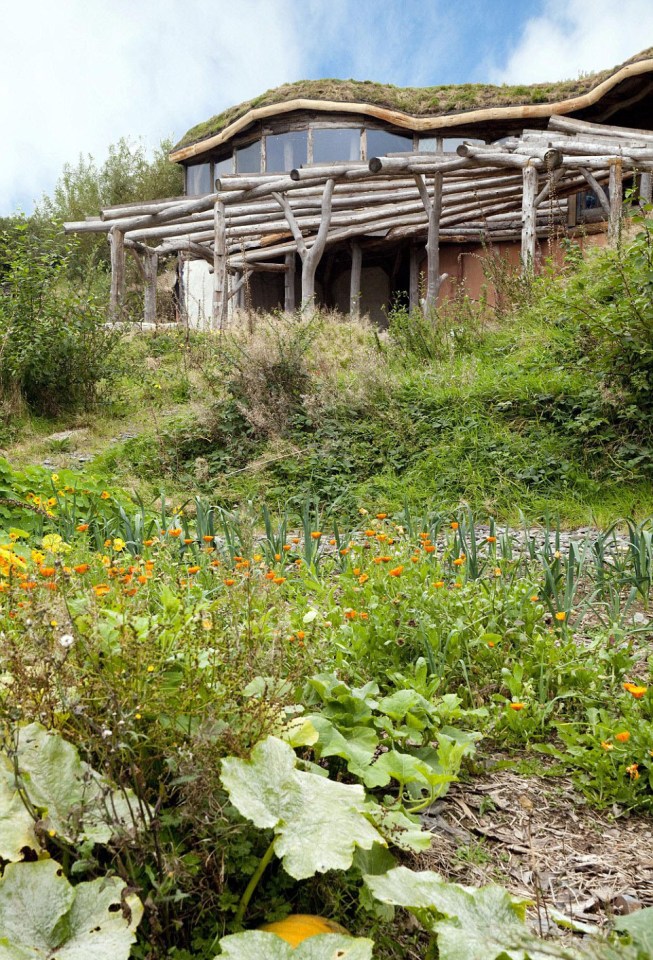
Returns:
(71,798)
(318,823)
(639,926)
(255,945)
(42,914)
(16,823)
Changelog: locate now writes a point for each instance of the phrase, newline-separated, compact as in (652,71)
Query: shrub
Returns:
(55,346)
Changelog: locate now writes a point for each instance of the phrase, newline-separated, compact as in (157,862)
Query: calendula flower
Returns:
(606,745)
(316,534)
(194,569)
(381,516)
(517,705)
(101,589)
(459,561)
(81,527)
(396,571)
(438,584)
(561,616)
(175,531)
(350,614)
(279,580)
(635,691)
(229,582)
(119,544)
(300,634)
(623,736)
(105,495)
(633,771)
(455,525)
(363,579)
(490,539)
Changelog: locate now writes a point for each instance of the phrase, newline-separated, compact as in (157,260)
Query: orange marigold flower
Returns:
(438,583)
(363,615)
(148,543)
(270,575)
(130,591)
(363,579)
(47,571)
(51,585)
(300,634)
(216,563)
(606,745)
(623,736)
(490,643)
(454,525)
(381,516)
(459,561)
(344,552)
(142,578)
(174,531)
(356,571)
(229,582)
(277,556)
(316,534)
(634,690)
(370,533)
(429,548)
(561,616)
(278,580)
(350,614)
(633,771)
(517,705)
(188,540)
(105,495)
(81,527)
(534,598)
(101,589)
(396,571)
(295,540)
(490,539)
(208,538)
(287,546)
(193,569)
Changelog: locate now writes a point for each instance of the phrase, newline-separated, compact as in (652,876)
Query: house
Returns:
(353,194)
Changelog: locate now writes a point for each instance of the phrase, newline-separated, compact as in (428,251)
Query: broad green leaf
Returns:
(258,945)
(318,823)
(639,926)
(357,748)
(400,830)
(42,914)
(73,799)
(470,924)
(16,823)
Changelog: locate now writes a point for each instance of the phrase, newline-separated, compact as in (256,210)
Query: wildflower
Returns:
(332,543)
(316,534)
(300,634)
(174,531)
(137,716)
(277,557)
(607,746)
(207,624)
(81,568)
(497,571)
(454,525)
(51,501)
(105,495)
(534,598)
(270,575)
(148,543)
(370,533)
(107,543)
(381,516)
(208,538)
(458,562)
(150,669)
(490,643)
(634,690)
(438,583)
(193,569)
(344,552)
(363,615)
(517,705)
(363,512)
(561,616)
(37,556)
(142,578)
(130,591)
(490,539)
(363,578)
(633,771)
(119,544)
(356,571)
(101,589)
(287,546)
(295,540)
(47,571)
(229,582)
(623,736)
(279,580)
(396,571)
(28,585)
(54,543)
(81,527)
(188,540)
(257,557)
(429,548)
(51,586)
(350,614)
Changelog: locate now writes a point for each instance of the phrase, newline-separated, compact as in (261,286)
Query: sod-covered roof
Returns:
(419,102)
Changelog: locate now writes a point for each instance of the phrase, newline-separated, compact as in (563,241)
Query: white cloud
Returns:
(572,37)
(76,75)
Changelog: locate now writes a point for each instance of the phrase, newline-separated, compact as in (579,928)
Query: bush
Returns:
(55,346)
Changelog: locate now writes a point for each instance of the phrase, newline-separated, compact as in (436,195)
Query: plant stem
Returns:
(252,885)
(432,951)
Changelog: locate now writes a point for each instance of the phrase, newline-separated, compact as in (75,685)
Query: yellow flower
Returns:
(119,544)
(54,543)
(37,556)
(105,495)
(150,669)
(561,615)
(9,560)
(607,746)
(54,477)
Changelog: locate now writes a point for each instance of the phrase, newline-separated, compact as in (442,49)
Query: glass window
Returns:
(285,151)
(380,142)
(428,144)
(198,179)
(221,167)
(336,143)
(248,159)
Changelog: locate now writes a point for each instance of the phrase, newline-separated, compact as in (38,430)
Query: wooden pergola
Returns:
(484,193)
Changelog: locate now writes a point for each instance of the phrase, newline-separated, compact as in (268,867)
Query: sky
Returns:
(77,75)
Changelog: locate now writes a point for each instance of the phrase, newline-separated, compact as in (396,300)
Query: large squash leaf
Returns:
(42,915)
(68,795)
(257,945)
(318,823)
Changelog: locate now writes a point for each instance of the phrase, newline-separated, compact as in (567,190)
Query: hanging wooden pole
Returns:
(355,281)
(529,218)
(150,268)
(289,283)
(645,188)
(117,294)
(413,282)
(219,266)
(616,200)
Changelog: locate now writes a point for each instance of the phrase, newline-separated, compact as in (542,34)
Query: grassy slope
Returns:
(502,415)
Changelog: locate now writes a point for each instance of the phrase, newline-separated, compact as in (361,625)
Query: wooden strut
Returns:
(355,279)
(433,208)
(310,257)
(616,201)
(529,219)
(117,292)
(220,298)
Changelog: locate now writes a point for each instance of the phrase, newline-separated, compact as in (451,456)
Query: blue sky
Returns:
(76,75)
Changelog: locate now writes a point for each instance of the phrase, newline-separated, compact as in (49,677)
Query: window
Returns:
(285,151)
(336,143)
(198,179)
(221,167)
(380,142)
(588,206)
(248,159)
(428,144)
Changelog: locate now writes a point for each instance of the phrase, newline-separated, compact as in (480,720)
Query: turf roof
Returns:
(419,101)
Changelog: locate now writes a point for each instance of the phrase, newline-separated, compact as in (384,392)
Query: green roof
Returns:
(434,101)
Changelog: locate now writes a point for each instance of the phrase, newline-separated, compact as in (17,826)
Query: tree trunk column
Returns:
(355,282)
(219,266)
(150,268)
(528,219)
(616,201)
(117,294)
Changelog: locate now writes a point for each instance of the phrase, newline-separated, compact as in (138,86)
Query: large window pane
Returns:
(198,179)
(427,144)
(285,151)
(248,159)
(380,142)
(336,143)
(220,167)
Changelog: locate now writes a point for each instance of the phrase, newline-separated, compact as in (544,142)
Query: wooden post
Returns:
(219,266)
(150,267)
(117,294)
(413,289)
(433,278)
(529,218)
(616,201)
(289,283)
(645,191)
(355,282)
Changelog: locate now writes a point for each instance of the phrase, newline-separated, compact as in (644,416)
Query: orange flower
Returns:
(270,575)
(356,571)
(363,615)
(344,552)
(277,556)
(47,571)
(454,525)
(633,771)
(229,582)
(458,562)
(148,543)
(300,634)
(429,548)
(490,643)
(279,580)
(101,589)
(208,538)
(534,598)
(316,534)
(517,706)
(51,585)
(438,583)
(381,516)
(561,616)
(490,539)
(81,568)
(350,614)
(370,533)
(287,546)
(104,495)
(216,563)
(130,591)
(396,571)
(193,569)
(81,527)
(332,543)
(175,531)
(623,736)
(634,690)
(295,540)
(363,579)
(142,578)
